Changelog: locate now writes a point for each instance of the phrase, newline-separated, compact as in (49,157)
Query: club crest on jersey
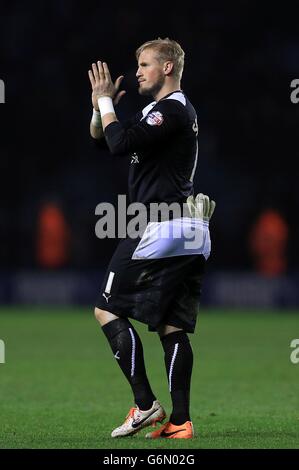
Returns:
(155,118)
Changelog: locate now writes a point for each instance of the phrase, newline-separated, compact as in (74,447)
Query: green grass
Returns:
(61,387)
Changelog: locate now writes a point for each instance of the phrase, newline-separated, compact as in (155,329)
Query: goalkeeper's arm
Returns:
(96,128)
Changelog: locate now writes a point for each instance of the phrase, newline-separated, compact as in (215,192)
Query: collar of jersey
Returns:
(166,96)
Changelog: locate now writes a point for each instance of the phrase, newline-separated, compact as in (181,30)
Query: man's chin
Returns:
(144,91)
(150,91)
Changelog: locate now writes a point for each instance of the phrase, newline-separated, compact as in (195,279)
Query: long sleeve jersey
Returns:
(162,143)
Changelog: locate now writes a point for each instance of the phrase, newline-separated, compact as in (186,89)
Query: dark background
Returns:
(240,60)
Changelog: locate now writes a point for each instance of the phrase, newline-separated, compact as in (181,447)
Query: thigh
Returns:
(184,307)
(141,289)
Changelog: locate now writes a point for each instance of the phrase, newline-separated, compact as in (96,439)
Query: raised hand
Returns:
(102,85)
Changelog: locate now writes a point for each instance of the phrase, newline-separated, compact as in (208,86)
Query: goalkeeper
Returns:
(149,279)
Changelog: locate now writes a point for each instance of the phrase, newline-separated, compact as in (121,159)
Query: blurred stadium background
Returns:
(240,61)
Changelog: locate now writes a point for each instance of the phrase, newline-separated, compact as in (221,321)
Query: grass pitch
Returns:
(61,387)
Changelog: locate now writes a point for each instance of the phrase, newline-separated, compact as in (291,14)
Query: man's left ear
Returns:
(168,66)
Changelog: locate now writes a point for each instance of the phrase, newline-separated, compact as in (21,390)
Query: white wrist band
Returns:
(96,120)
(105,105)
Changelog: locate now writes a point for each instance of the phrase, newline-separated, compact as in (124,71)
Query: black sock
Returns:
(128,351)
(178,362)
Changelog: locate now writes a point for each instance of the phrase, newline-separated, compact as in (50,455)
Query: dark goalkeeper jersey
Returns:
(162,142)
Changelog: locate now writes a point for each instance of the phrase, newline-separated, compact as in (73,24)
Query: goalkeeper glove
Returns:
(201,207)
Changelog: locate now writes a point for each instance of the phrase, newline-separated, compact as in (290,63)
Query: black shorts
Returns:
(153,291)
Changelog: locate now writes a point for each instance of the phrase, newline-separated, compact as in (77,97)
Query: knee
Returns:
(103,317)
(164,330)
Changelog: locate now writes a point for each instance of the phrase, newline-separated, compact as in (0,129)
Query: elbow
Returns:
(116,139)
(117,150)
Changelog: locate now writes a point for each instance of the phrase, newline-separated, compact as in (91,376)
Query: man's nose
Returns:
(138,73)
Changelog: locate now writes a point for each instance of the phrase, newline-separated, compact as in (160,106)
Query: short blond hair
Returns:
(168,49)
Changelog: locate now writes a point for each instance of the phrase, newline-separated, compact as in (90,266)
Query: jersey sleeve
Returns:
(132,121)
(166,118)
(102,143)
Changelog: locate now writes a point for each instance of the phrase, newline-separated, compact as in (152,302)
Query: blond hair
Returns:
(167,49)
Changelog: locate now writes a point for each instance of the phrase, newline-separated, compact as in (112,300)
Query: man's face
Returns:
(150,73)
